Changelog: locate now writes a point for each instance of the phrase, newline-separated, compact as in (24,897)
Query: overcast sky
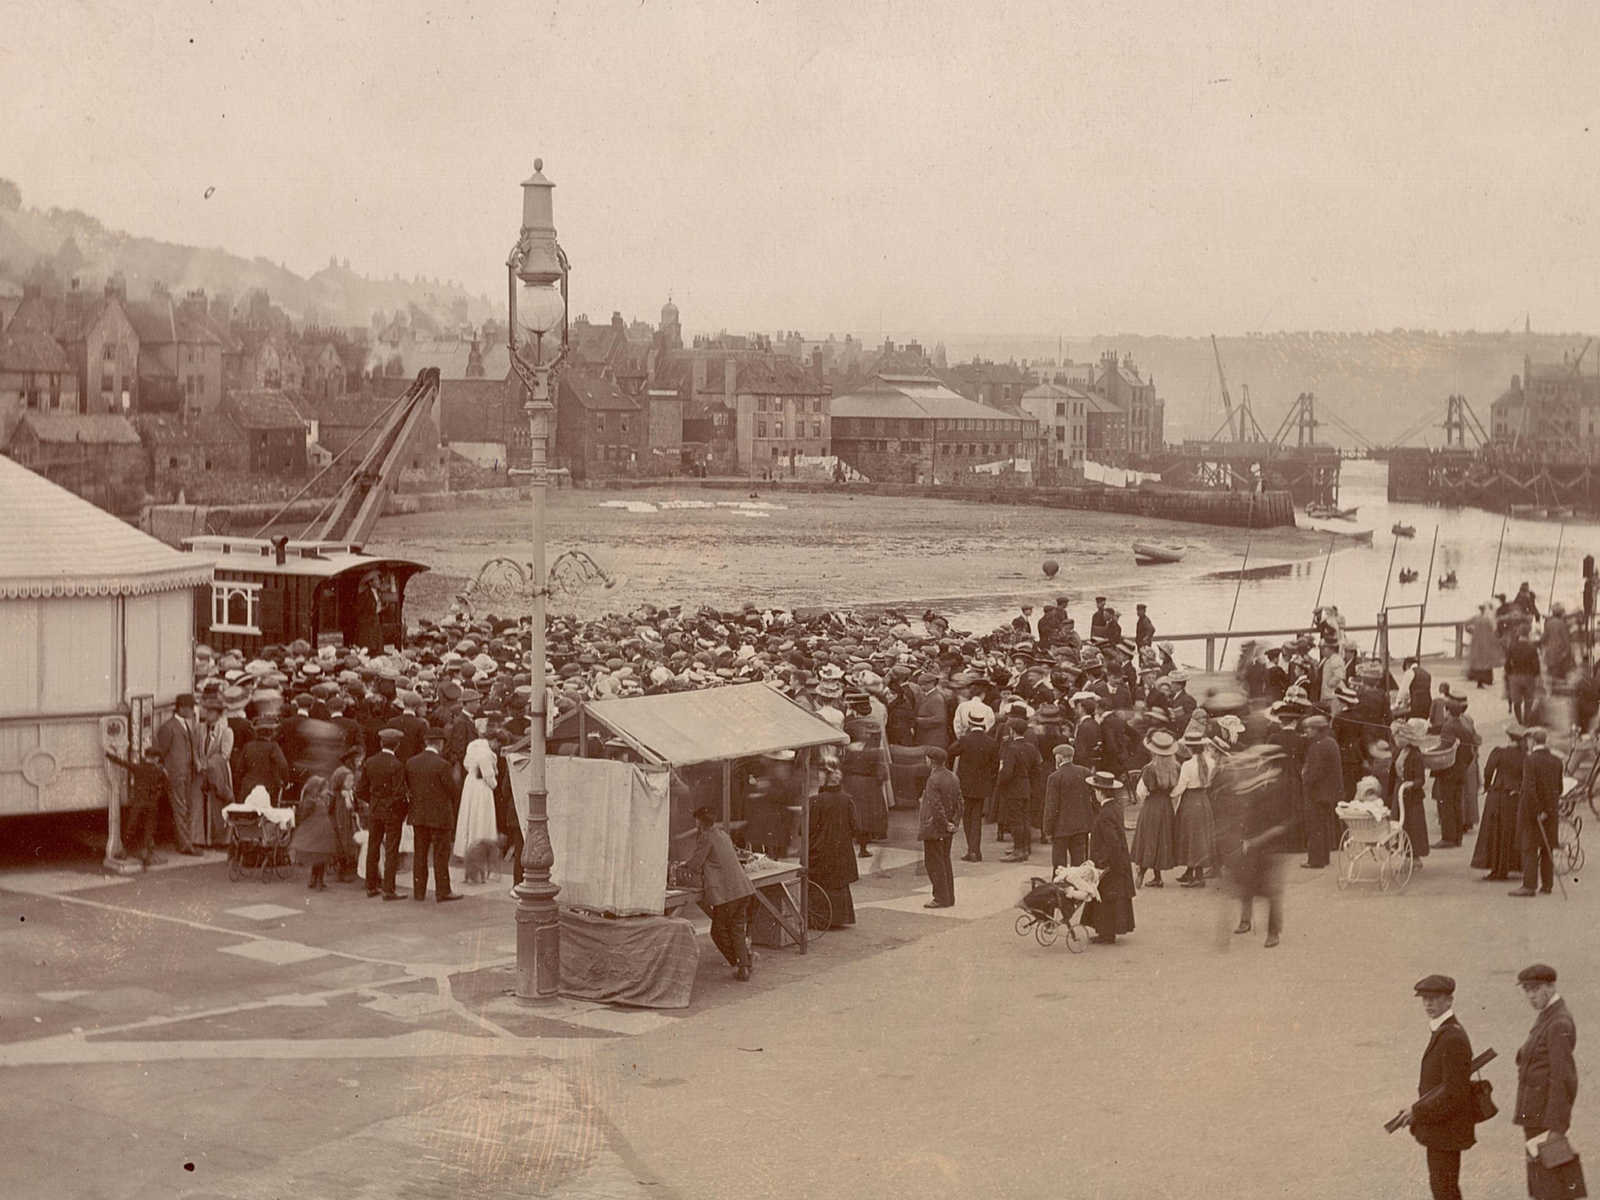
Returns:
(895,168)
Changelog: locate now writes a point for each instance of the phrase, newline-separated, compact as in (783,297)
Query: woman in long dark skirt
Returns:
(1155,837)
(1496,850)
(832,838)
(1407,779)
(862,766)
(1108,849)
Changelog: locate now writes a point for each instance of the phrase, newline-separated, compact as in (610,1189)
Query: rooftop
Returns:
(913,398)
(594,393)
(266,410)
(58,544)
(99,429)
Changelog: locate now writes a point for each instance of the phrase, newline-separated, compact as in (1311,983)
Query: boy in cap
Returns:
(1547,1076)
(1444,1114)
(939,815)
(147,783)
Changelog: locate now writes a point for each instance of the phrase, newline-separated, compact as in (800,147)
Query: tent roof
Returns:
(682,728)
(58,544)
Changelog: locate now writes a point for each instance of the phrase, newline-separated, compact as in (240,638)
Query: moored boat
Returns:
(1150,554)
(1527,510)
(1404,531)
(1329,512)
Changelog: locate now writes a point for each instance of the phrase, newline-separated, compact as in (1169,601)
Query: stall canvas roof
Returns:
(682,728)
(58,544)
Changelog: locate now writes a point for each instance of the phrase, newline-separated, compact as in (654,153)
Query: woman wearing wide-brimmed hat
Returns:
(1155,837)
(1191,801)
(1112,914)
(1407,777)
(1496,850)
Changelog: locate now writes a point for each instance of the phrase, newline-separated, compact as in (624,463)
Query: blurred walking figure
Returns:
(1443,1116)
(1252,778)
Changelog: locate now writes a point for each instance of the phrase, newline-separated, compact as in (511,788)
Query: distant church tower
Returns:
(671,331)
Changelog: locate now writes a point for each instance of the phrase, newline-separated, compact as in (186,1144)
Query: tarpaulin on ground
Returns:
(720,723)
(646,961)
(608,827)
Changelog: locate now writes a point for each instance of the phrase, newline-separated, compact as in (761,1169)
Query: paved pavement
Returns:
(176,1034)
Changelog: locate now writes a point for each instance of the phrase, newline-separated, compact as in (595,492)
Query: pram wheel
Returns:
(1077,941)
(1044,930)
(235,870)
(1025,922)
(282,864)
(1346,863)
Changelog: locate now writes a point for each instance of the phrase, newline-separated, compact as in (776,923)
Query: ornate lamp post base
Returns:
(538,916)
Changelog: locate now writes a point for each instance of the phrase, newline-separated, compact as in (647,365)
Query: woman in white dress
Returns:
(476,818)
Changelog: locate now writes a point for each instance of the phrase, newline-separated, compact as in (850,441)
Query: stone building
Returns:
(98,457)
(914,429)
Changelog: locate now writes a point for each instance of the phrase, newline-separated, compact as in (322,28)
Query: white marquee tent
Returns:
(92,614)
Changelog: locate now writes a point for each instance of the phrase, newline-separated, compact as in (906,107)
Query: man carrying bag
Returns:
(1547,1085)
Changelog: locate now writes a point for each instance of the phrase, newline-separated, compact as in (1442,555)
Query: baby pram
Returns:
(258,837)
(1053,906)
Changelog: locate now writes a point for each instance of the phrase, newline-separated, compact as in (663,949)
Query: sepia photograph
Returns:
(922,599)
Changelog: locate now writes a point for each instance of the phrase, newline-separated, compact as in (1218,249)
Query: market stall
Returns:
(716,743)
(96,640)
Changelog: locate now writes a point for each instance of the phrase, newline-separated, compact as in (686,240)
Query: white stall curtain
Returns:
(608,827)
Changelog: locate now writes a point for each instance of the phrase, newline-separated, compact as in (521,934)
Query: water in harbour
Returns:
(1185,599)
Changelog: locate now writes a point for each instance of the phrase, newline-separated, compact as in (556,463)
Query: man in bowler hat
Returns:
(1547,1076)
(1443,1122)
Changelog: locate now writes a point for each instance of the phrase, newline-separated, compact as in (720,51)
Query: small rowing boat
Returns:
(1527,510)
(1404,531)
(1150,554)
(1328,512)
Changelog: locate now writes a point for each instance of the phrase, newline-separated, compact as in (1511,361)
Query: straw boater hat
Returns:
(1195,735)
(1161,743)
(1105,781)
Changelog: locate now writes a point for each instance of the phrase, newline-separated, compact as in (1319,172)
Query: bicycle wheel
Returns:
(819,910)
(1569,847)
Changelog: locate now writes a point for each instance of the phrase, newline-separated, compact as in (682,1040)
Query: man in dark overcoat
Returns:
(433,790)
(178,743)
(1442,1120)
(976,760)
(1322,784)
(1538,814)
(1547,1076)
(381,792)
(1019,765)
(1068,810)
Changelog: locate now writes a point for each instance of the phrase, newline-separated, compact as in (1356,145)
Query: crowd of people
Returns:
(1028,731)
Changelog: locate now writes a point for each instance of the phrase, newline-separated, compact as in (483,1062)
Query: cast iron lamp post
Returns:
(533,271)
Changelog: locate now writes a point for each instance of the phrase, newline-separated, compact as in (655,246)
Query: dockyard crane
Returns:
(1227,400)
(351,513)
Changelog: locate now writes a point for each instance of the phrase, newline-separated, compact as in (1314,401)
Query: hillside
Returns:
(72,244)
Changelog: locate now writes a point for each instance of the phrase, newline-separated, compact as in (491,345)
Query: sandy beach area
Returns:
(690,546)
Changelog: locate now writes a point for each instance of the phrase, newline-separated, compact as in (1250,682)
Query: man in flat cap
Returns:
(1547,1076)
(1443,1116)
